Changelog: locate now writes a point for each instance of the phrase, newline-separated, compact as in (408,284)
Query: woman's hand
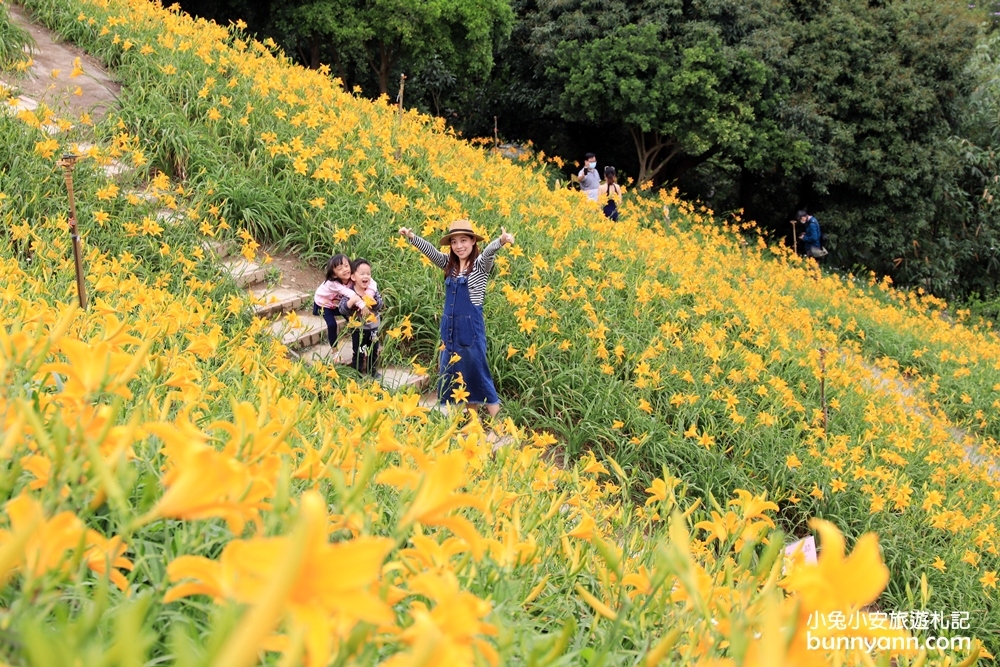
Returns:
(406,232)
(506,238)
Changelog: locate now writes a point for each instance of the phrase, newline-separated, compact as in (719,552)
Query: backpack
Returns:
(818,251)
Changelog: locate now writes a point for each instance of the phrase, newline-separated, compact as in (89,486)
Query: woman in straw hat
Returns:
(462,369)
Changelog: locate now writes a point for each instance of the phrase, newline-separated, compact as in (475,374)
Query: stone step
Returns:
(430,401)
(115,168)
(324,354)
(310,330)
(218,248)
(398,379)
(277,300)
(18,104)
(169,216)
(392,378)
(498,442)
(244,272)
(142,195)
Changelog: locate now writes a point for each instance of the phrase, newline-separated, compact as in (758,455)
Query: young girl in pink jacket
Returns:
(333,290)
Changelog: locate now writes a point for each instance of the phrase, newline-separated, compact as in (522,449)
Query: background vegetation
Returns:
(670,339)
(865,113)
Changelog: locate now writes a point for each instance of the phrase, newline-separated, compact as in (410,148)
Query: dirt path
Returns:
(294,271)
(98,92)
(915,404)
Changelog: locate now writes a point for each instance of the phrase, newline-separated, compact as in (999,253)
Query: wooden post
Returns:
(67,162)
(399,112)
(399,98)
(795,238)
(822,387)
(496,136)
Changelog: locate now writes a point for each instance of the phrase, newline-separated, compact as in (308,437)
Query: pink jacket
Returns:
(330,293)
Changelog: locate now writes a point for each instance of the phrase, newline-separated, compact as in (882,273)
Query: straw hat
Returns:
(460,227)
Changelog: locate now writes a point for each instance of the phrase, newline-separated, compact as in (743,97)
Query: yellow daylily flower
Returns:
(331,588)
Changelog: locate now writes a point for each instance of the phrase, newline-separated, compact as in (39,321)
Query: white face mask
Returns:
(591,165)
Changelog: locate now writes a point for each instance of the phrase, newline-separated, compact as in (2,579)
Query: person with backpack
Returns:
(811,238)
(610,193)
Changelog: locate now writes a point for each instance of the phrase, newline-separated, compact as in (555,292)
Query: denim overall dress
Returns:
(463,332)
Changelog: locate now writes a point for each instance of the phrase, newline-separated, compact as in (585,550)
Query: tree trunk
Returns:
(311,58)
(314,53)
(387,56)
(341,71)
(383,70)
(649,148)
(684,162)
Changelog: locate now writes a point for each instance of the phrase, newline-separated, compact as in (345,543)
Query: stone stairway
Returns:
(96,93)
(304,334)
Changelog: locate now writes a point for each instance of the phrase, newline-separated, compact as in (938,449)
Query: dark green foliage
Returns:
(687,80)
(847,108)
(875,92)
(371,43)
(969,253)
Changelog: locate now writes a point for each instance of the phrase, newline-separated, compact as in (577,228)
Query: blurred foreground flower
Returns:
(321,590)
(36,545)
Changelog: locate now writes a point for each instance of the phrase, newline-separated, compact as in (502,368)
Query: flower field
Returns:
(178,490)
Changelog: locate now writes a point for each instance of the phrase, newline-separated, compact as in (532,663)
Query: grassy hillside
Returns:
(673,346)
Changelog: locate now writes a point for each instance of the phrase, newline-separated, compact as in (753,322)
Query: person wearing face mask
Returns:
(590,180)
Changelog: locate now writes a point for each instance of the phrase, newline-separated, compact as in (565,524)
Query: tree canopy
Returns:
(865,112)
(380,37)
(457,35)
(875,90)
(687,80)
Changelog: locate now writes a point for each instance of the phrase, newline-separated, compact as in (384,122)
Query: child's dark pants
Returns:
(330,317)
(365,343)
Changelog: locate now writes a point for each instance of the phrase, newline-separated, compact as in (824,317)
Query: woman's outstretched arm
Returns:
(439,259)
(484,262)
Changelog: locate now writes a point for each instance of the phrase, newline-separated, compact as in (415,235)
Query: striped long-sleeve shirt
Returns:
(477,275)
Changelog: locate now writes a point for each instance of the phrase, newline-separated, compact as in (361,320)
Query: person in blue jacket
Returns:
(810,240)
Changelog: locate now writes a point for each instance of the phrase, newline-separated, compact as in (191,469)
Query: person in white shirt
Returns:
(590,179)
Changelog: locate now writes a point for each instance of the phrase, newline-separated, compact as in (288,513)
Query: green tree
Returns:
(967,258)
(687,79)
(457,36)
(875,90)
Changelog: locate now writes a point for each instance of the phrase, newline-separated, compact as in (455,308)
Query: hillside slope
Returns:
(675,344)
